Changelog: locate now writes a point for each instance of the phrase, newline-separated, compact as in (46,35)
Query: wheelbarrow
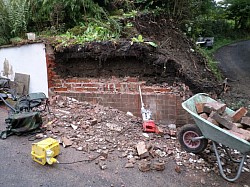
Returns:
(194,137)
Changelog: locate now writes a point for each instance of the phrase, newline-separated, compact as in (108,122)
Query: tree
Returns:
(239,11)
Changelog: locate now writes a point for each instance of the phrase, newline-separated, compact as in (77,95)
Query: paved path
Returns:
(18,169)
(234,61)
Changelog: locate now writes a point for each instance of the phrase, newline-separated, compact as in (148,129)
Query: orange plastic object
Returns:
(149,126)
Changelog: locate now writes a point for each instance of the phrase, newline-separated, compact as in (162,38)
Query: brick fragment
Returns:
(212,121)
(200,107)
(204,115)
(144,165)
(159,130)
(142,150)
(221,120)
(237,134)
(243,132)
(239,114)
(238,125)
(245,120)
(214,106)
(159,166)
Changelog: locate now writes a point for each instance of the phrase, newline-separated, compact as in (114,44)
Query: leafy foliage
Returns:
(239,11)
(14,17)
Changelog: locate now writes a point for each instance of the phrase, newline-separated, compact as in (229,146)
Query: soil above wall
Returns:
(174,60)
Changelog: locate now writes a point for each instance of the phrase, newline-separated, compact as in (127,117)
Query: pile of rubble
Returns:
(106,133)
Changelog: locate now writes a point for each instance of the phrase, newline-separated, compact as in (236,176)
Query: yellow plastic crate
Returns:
(44,151)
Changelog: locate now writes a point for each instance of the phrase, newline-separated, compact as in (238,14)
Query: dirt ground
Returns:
(174,60)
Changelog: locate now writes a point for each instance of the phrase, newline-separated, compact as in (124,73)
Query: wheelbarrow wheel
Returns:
(185,135)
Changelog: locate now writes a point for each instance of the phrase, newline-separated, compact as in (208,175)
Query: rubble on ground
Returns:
(113,134)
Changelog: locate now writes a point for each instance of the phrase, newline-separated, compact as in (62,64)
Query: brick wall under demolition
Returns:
(120,93)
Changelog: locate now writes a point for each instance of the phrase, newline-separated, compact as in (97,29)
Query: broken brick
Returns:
(144,165)
(142,150)
(212,121)
(159,166)
(129,165)
(238,125)
(199,107)
(203,115)
(239,114)
(159,130)
(245,120)
(241,133)
(66,142)
(214,106)
(237,134)
(221,120)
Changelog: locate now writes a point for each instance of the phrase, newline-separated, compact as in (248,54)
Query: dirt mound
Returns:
(174,60)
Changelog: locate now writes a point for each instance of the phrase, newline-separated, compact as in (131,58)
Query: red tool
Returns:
(148,123)
(149,126)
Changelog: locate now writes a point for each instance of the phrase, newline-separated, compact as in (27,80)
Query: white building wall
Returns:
(26,59)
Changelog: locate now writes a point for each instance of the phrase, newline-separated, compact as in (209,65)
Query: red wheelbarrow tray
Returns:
(211,131)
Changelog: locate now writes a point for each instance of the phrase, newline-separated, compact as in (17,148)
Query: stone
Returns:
(177,169)
(129,114)
(39,136)
(104,153)
(93,122)
(159,166)
(159,131)
(144,165)
(66,142)
(129,165)
(102,165)
(80,148)
(132,160)
(142,150)
(74,126)
(172,126)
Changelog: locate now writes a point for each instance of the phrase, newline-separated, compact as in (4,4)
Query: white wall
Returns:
(27,59)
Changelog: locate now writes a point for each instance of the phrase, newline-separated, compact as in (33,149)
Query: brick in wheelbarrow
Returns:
(200,107)
(212,121)
(241,133)
(239,114)
(245,121)
(223,121)
(214,106)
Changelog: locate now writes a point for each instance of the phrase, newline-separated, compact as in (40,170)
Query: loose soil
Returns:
(174,60)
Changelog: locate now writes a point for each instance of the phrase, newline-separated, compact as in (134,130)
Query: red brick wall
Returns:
(121,93)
